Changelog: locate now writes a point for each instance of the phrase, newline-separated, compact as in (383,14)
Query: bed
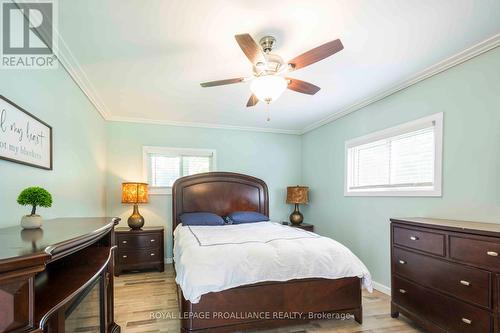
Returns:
(252,306)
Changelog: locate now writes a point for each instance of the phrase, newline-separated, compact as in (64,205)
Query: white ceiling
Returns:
(144,60)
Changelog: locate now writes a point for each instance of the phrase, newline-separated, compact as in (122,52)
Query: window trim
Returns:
(394,131)
(171,151)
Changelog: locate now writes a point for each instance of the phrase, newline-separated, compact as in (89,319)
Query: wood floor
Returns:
(140,296)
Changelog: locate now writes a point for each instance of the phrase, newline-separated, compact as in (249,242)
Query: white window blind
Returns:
(195,164)
(164,170)
(399,161)
(163,166)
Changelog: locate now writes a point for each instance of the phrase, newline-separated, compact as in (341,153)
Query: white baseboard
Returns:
(382,288)
(168,260)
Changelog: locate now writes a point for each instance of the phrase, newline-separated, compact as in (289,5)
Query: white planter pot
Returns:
(31,221)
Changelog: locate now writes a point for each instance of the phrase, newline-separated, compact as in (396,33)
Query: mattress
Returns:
(216,258)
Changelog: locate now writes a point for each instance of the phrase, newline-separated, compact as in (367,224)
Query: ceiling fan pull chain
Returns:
(268,112)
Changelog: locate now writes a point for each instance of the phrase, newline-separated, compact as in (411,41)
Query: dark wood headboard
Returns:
(220,193)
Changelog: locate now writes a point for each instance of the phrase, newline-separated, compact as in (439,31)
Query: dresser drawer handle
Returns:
(124,256)
(465,283)
(467,321)
(402,291)
(152,240)
(413,238)
(402,262)
(124,242)
(492,253)
(152,254)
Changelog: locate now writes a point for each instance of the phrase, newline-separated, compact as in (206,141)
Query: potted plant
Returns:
(34,197)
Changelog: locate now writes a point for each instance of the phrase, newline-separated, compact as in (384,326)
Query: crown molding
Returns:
(441,66)
(202,125)
(78,75)
(68,61)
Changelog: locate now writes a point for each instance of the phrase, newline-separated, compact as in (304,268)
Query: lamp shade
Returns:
(134,193)
(297,194)
(268,88)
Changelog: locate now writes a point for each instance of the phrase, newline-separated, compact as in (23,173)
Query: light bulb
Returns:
(268,88)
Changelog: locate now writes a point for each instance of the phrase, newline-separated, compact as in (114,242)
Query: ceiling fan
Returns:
(269,70)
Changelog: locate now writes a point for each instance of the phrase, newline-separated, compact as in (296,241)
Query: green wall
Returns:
(469,96)
(79,150)
(275,158)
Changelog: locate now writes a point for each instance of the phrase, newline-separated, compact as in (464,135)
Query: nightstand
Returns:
(139,249)
(305,226)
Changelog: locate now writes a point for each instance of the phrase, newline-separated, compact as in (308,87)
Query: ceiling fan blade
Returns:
(221,82)
(251,49)
(302,86)
(252,100)
(316,54)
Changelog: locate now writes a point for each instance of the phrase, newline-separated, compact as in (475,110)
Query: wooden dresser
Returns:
(139,249)
(446,274)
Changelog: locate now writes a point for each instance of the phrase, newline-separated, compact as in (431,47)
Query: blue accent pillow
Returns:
(201,218)
(247,217)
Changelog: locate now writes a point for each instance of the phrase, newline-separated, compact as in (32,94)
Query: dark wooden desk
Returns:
(45,273)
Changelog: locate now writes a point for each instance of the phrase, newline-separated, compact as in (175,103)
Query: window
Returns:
(163,166)
(401,161)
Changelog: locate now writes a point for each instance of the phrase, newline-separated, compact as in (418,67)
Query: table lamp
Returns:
(135,193)
(297,195)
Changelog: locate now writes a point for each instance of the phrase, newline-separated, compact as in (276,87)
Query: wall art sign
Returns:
(24,138)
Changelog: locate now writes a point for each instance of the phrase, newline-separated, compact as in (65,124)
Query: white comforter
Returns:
(214,258)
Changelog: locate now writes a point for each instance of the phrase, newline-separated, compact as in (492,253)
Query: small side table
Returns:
(139,249)
(305,226)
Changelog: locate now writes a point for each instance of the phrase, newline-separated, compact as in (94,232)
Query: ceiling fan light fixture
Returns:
(269,69)
(268,88)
